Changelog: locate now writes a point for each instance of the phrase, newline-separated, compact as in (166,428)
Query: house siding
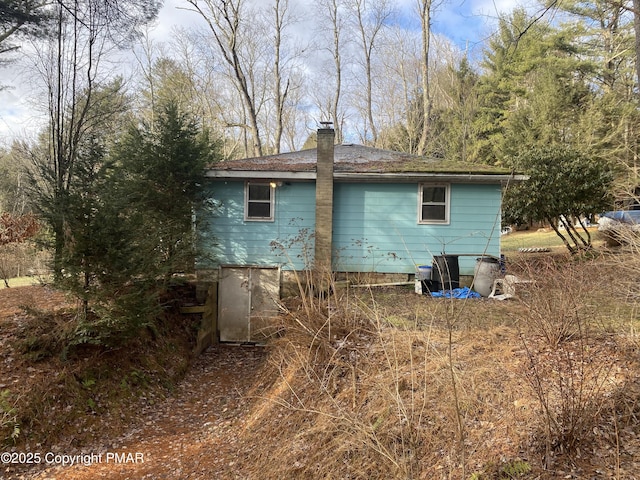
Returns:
(375,227)
(228,239)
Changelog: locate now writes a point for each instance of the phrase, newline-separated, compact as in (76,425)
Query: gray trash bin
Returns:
(486,271)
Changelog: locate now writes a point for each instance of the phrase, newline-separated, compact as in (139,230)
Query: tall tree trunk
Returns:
(330,22)
(223,17)
(280,10)
(425,20)
(370,19)
(372,123)
(337,61)
(636,28)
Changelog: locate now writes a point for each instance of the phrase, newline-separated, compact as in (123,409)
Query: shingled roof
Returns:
(351,160)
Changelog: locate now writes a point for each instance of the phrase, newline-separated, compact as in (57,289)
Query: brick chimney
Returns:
(324,199)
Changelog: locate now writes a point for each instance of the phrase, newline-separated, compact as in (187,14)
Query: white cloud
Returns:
(467,23)
(174,13)
(18,117)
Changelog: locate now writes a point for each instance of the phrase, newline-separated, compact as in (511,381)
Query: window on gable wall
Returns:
(433,204)
(259,201)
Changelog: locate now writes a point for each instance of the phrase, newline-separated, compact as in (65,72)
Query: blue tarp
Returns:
(631,217)
(464,292)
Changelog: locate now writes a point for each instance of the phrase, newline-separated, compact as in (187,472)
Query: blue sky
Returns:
(465,25)
(466,22)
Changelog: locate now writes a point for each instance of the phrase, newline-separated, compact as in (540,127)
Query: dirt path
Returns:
(191,435)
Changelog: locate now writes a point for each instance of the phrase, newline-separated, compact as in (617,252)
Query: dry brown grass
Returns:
(389,384)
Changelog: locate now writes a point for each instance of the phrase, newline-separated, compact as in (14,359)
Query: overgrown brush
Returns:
(625,260)
(45,334)
(63,392)
(357,386)
(559,330)
(371,393)
(557,302)
(386,384)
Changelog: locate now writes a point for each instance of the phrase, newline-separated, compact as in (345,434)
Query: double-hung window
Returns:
(259,201)
(433,204)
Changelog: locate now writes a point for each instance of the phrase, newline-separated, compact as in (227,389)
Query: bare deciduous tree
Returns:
(280,92)
(636,29)
(424,8)
(370,16)
(332,12)
(70,62)
(226,20)
(399,85)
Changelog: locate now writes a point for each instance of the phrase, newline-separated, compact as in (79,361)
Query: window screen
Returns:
(259,201)
(434,203)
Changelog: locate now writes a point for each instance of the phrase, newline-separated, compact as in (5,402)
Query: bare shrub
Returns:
(357,386)
(45,334)
(558,331)
(557,300)
(626,262)
(380,384)
(570,388)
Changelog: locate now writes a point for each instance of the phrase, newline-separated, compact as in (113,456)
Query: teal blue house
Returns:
(361,209)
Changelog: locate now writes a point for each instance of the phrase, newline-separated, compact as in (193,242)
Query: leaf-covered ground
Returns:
(379,383)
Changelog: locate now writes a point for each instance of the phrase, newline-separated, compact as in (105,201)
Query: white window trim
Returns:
(272,202)
(447,204)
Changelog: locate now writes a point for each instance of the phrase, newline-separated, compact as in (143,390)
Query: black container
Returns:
(446,271)
(429,286)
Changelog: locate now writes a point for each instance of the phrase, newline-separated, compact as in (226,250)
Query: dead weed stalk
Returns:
(9,422)
(560,339)
(366,393)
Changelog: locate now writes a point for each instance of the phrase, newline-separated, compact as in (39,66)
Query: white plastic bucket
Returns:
(424,272)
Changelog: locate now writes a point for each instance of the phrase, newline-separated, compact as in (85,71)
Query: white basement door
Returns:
(247,302)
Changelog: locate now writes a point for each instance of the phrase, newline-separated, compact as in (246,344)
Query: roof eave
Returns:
(249,174)
(429,176)
(368,177)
